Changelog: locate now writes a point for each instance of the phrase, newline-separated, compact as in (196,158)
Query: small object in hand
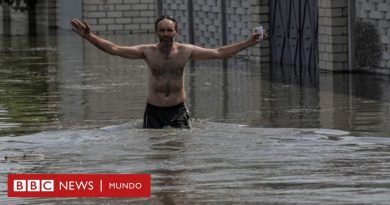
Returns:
(259,30)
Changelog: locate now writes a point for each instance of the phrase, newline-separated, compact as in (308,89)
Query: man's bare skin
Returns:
(166,60)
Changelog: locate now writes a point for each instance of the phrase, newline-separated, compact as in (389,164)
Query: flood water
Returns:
(263,134)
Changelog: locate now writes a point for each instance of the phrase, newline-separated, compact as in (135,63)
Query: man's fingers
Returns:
(76,22)
(257,35)
(73,23)
(266,36)
(86,25)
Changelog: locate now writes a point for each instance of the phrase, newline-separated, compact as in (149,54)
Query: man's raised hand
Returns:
(81,28)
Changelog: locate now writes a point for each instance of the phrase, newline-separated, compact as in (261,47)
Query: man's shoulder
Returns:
(185,46)
(148,46)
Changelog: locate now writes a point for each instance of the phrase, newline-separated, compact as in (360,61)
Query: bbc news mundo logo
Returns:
(79,185)
(33,185)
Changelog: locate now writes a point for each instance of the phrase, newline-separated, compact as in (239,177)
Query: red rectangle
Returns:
(79,185)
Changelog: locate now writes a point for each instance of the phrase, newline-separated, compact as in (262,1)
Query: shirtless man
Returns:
(166,61)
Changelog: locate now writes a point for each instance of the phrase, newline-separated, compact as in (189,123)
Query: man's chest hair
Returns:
(168,67)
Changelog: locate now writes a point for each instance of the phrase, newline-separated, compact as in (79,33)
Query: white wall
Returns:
(67,10)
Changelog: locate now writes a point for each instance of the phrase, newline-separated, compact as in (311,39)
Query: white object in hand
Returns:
(259,30)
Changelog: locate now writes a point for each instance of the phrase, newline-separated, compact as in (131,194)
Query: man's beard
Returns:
(166,40)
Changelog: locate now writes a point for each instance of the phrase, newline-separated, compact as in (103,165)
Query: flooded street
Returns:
(215,164)
(262,133)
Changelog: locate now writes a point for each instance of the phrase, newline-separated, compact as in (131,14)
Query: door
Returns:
(294,38)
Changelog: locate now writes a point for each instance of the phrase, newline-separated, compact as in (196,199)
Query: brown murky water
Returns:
(263,134)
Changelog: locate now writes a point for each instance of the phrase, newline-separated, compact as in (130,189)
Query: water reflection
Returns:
(63,82)
(358,102)
(168,165)
(214,163)
(27,85)
(289,100)
(304,76)
(97,88)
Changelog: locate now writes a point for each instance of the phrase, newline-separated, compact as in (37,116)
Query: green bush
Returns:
(368,44)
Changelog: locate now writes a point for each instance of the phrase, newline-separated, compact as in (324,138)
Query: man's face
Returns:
(166,31)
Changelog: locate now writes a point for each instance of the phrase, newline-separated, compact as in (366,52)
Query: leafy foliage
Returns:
(368,44)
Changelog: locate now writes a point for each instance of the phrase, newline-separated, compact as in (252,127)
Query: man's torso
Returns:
(166,74)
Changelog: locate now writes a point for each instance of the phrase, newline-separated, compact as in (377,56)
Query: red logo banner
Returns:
(79,185)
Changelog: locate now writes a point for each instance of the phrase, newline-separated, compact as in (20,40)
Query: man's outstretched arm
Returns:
(199,53)
(83,29)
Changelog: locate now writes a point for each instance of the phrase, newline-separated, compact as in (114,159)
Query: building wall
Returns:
(138,16)
(120,16)
(46,13)
(179,10)
(333,34)
(377,12)
(211,28)
(260,15)
(208,23)
(67,10)
(16,23)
